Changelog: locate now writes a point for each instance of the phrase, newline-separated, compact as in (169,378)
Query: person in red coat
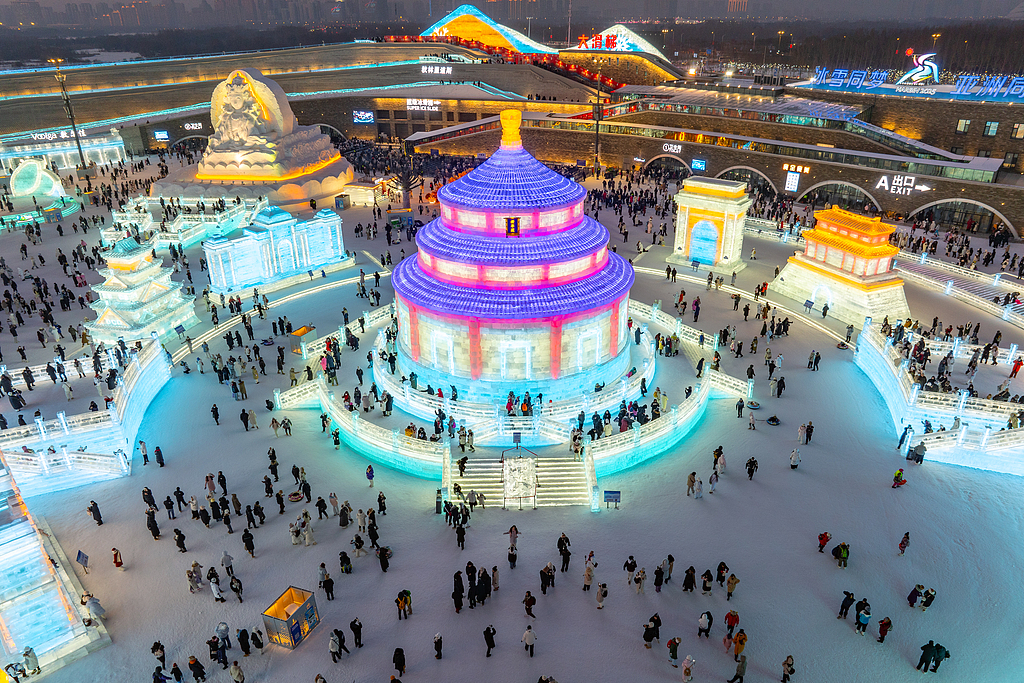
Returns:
(823,538)
(884,626)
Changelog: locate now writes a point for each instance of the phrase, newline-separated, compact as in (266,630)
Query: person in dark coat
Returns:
(458,591)
(460,536)
(844,608)
(94,510)
(357,632)
(438,643)
(927,654)
(243,641)
(247,541)
(489,634)
(399,661)
(941,654)
(382,555)
(197,669)
(179,540)
(690,580)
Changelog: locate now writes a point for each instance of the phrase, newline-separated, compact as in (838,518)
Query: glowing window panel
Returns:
(559,271)
(471,219)
(551,218)
(455,269)
(524,275)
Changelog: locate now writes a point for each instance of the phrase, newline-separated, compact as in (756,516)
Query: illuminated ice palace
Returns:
(513,287)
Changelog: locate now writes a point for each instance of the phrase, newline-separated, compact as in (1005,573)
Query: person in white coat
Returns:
(801,434)
(529,638)
(698,489)
(712,482)
(720,465)
(309,535)
(794,459)
(602,593)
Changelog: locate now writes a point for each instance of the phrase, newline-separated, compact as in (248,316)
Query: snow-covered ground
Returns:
(960,522)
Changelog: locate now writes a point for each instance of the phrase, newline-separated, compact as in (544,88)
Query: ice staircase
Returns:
(561,481)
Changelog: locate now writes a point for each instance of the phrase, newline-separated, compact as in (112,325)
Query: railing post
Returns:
(961,403)
(305,353)
(984,438)
(924,257)
(636,434)
(914,391)
(960,436)
(277,399)
(750,389)
(67,459)
(42,430)
(997,278)
(1013,352)
(62,417)
(949,286)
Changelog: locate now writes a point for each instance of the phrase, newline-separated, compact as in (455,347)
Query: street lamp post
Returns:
(529,23)
(935,36)
(61,78)
(753,42)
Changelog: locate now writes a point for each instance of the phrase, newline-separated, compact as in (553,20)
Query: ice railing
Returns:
(999,280)
(390,446)
(972,439)
(679,417)
(183,227)
(892,378)
(975,300)
(371,318)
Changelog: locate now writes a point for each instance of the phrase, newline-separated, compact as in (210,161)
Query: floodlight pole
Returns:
(61,79)
(598,111)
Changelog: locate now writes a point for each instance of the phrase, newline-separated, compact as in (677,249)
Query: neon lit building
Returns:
(513,287)
(138,297)
(847,263)
(469,23)
(709,222)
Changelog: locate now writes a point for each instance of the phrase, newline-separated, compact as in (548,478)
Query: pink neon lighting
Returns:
(533,223)
(487,277)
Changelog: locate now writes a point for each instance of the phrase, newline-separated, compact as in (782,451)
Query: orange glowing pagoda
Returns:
(847,263)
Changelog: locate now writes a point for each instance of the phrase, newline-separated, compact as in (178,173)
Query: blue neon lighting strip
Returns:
(198,108)
(515,38)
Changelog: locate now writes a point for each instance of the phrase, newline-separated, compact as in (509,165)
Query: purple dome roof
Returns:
(511,179)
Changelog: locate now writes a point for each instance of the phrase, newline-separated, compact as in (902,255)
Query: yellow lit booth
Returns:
(292,616)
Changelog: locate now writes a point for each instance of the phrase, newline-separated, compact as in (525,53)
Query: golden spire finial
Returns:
(511,119)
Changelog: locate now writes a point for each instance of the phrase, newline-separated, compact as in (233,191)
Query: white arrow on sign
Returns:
(922,188)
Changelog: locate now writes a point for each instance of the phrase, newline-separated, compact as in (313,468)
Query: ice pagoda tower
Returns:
(138,297)
(847,263)
(513,288)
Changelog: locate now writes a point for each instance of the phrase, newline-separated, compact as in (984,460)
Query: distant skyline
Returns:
(58,12)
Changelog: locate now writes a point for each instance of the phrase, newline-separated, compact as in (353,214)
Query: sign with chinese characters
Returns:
(436,70)
(671,149)
(423,105)
(921,80)
(796,169)
(57,135)
(792,181)
(512,226)
(161,135)
(900,184)
(617,38)
(698,165)
(195,125)
(599,42)
(362,117)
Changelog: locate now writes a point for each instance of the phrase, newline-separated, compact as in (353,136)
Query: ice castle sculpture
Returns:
(513,287)
(274,247)
(137,297)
